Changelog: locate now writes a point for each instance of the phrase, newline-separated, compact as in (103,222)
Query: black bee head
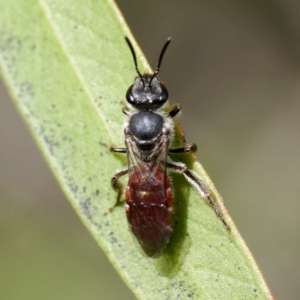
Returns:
(147,92)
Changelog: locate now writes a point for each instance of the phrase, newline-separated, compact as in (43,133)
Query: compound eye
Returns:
(163,97)
(129,95)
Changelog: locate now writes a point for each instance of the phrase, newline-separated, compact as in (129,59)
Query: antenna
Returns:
(134,58)
(160,58)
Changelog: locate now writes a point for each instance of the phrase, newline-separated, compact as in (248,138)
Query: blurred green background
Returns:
(235,68)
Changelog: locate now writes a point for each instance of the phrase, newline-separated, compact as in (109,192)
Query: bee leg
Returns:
(199,186)
(174,111)
(126,111)
(185,149)
(112,148)
(117,186)
(117,150)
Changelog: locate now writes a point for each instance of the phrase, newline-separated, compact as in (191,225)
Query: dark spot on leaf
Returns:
(25,89)
(74,188)
(10,47)
(63,166)
(85,208)
(50,142)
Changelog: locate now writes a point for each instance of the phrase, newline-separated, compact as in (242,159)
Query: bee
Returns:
(149,132)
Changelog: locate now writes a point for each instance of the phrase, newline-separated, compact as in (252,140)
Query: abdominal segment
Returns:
(149,209)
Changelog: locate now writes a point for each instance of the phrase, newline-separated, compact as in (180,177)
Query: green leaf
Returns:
(67,67)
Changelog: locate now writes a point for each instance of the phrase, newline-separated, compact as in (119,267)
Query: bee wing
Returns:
(146,168)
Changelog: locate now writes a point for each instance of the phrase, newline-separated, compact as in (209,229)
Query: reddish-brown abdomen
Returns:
(149,209)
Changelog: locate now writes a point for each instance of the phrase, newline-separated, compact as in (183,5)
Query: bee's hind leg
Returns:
(199,186)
